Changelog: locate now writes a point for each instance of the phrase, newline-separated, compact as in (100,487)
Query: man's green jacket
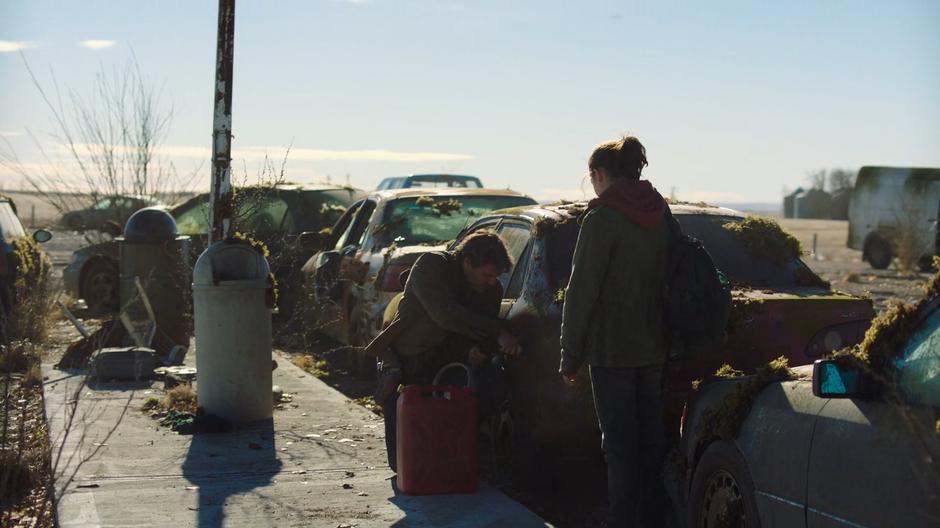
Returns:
(437,303)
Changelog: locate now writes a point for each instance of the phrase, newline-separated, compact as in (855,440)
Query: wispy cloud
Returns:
(97,44)
(9,46)
(307,154)
(550,194)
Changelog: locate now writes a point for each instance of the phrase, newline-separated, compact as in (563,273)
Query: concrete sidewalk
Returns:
(320,463)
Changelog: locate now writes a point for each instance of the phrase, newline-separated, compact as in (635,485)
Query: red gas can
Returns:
(437,440)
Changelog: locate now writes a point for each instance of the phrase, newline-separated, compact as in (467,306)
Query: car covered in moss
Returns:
(287,218)
(852,440)
(350,283)
(780,308)
(24,266)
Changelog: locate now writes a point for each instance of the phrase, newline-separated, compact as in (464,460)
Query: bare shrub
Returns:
(111,139)
(181,398)
(19,356)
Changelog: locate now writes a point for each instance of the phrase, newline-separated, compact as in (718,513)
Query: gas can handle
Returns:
(470,382)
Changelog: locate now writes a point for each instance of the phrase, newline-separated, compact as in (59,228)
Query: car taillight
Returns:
(390,281)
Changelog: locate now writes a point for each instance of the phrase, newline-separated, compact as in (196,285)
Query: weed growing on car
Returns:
(889,331)
(765,239)
(35,297)
(724,420)
(727,371)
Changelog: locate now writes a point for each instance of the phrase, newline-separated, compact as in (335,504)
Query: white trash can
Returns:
(233,333)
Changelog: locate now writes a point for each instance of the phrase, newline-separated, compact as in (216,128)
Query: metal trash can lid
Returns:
(150,224)
(229,261)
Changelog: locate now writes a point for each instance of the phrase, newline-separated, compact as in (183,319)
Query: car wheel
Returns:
(100,287)
(879,254)
(722,493)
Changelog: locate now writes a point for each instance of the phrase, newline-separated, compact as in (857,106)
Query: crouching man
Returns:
(448,312)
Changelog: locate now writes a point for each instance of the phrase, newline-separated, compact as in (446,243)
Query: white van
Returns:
(892,206)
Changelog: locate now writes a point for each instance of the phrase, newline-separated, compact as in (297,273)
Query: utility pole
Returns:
(221,200)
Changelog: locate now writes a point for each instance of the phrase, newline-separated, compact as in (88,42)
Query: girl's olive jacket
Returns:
(613,312)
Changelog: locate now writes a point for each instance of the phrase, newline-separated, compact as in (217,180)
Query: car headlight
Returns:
(836,337)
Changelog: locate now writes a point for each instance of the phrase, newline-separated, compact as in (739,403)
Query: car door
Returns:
(326,264)
(876,462)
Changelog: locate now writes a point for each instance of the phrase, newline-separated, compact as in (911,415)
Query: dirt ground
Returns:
(844,268)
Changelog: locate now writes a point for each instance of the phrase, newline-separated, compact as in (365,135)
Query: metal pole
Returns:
(222,197)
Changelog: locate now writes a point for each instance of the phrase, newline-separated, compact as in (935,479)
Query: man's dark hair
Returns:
(623,158)
(484,247)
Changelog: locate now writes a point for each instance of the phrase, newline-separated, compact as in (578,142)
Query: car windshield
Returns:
(919,364)
(729,254)
(426,219)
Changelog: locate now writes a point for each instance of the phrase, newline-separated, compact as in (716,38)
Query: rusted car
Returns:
(849,441)
(350,284)
(780,309)
(24,266)
(287,218)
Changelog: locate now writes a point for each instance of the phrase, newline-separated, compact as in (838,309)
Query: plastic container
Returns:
(437,440)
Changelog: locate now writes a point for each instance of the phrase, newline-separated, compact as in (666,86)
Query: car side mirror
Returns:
(835,379)
(42,236)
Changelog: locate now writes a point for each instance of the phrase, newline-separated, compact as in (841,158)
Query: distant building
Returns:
(812,203)
(840,204)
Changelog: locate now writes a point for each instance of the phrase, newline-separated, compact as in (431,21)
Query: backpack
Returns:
(698,296)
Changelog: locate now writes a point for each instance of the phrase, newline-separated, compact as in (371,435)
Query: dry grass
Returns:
(181,398)
(20,356)
(151,403)
(318,367)
(33,377)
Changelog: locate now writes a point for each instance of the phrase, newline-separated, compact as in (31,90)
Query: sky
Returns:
(734,101)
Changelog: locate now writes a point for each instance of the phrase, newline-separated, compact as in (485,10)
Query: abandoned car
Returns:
(349,285)
(429,180)
(545,423)
(287,218)
(23,264)
(852,440)
(107,214)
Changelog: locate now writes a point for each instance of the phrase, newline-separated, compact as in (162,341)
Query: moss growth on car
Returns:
(560,295)
(765,239)
(724,420)
(727,371)
(445,207)
(889,331)
(673,201)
